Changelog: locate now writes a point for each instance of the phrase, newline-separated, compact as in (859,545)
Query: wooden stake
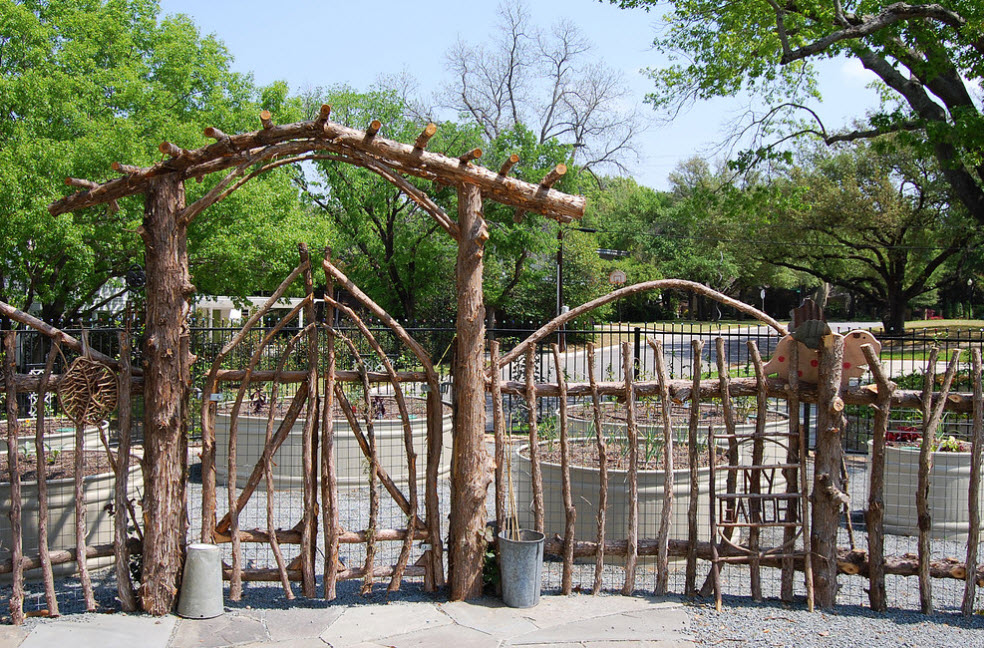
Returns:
(309,443)
(974,514)
(602,471)
(932,413)
(555,174)
(470,156)
(373,129)
(663,535)
(697,351)
(499,429)
(266,119)
(329,472)
(633,434)
(507,166)
(323,114)
(278,555)
(81,184)
(805,501)
(425,136)
(215,134)
(755,487)
(124,584)
(125,169)
(171,149)
(570,513)
(791,475)
(372,527)
(16,604)
(536,477)
(875,516)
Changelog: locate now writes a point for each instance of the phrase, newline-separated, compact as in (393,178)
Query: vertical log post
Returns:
(329,473)
(690,587)
(791,476)
(828,496)
(755,486)
(632,533)
(16,603)
(124,586)
(471,474)
(167,380)
(932,413)
(499,429)
(663,534)
(536,477)
(81,559)
(875,516)
(43,552)
(974,513)
(602,470)
(309,442)
(570,513)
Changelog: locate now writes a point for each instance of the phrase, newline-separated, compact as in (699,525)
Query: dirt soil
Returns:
(28,427)
(586,454)
(61,465)
(383,407)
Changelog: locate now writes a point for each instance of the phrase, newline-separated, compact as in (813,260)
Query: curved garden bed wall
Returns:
(351,465)
(99,493)
(949,481)
(584,490)
(59,436)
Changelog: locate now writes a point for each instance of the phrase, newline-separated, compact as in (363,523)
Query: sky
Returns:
(311,44)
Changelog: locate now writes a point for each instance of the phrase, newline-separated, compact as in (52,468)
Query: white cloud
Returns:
(855,74)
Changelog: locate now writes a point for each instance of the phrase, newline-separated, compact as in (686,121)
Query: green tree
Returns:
(927,56)
(877,221)
(83,84)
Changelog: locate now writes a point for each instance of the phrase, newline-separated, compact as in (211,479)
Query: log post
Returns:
(16,603)
(875,516)
(974,514)
(167,379)
(827,483)
(471,473)
(124,586)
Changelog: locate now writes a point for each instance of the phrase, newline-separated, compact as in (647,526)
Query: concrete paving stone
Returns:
(300,642)
(449,635)
(641,626)
(226,630)
(102,631)
(11,636)
(369,623)
(490,615)
(660,643)
(299,622)
(554,610)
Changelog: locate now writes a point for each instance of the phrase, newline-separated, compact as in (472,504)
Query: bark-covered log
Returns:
(602,471)
(570,513)
(536,477)
(632,532)
(974,513)
(690,583)
(471,474)
(875,516)
(16,603)
(827,488)
(663,534)
(167,381)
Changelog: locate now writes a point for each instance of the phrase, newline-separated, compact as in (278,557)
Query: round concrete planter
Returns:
(100,492)
(949,481)
(584,490)
(350,463)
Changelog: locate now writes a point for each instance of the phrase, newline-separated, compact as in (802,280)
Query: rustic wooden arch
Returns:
(167,348)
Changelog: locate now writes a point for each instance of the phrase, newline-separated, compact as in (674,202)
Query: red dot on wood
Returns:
(782,358)
(814,363)
(799,372)
(847,365)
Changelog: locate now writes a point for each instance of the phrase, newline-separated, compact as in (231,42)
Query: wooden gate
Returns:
(333,403)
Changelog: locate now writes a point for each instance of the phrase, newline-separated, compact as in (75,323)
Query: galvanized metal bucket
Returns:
(520,567)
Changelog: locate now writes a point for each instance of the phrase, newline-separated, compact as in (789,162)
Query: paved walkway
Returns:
(578,621)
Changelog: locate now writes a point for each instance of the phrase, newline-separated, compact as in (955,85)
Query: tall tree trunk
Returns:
(894,320)
(471,468)
(167,382)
